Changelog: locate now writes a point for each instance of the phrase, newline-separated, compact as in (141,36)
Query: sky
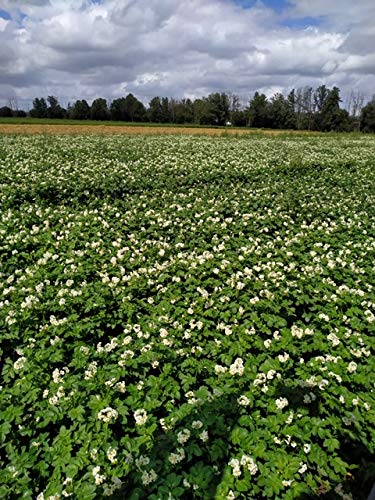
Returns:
(84,49)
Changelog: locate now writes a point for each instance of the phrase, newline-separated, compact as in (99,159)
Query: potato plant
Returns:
(187,317)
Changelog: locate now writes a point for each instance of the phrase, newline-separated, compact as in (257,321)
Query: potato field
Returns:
(187,317)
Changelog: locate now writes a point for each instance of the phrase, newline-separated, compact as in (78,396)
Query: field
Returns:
(49,126)
(187,317)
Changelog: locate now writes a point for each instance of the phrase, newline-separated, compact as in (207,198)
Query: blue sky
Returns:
(4,14)
(100,48)
(278,5)
(283,9)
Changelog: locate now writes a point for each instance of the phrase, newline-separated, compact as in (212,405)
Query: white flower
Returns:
(91,370)
(333,338)
(107,414)
(120,387)
(283,357)
(148,477)
(234,462)
(249,463)
(111,454)
(286,483)
(323,316)
(99,479)
(243,400)
(237,367)
(281,403)
(307,448)
(175,458)
(140,417)
(220,369)
(228,330)
(203,436)
(19,364)
(303,468)
(289,420)
(197,424)
(183,436)
(352,367)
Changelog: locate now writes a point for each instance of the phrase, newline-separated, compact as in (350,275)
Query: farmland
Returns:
(187,317)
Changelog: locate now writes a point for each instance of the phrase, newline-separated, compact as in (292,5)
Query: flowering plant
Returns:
(186,317)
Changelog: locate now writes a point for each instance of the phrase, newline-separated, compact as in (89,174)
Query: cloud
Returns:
(85,49)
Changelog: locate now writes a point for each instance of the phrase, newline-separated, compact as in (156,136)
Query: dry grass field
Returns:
(131,130)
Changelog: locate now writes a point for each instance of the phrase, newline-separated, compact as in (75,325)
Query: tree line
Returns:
(302,109)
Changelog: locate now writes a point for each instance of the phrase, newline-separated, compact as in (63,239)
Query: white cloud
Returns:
(3,24)
(84,49)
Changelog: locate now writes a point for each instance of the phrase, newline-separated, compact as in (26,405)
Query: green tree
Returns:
(332,116)
(154,111)
(182,111)
(54,109)
(134,110)
(39,109)
(80,110)
(368,117)
(321,95)
(118,109)
(258,111)
(202,112)
(281,112)
(165,110)
(6,112)
(218,106)
(99,109)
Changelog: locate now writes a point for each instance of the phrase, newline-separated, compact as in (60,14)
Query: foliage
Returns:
(368,117)
(80,110)
(99,109)
(302,109)
(6,112)
(186,317)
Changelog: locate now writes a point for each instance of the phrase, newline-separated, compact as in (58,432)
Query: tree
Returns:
(182,111)
(127,109)
(332,116)
(218,106)
(307,107)
(354,107)
(19,113)
(134,110)
(54,109)
(165,111)
(39,109)
(281,112)
(258,111)
(202,112)
(6,112)
(368,117)
(80,110)
(320,97)
(118,109)
(292,116)
(155,112)
(237,116)
(99,109)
